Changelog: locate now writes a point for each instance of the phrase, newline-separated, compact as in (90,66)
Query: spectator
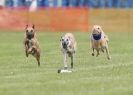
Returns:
(33,6)
(2,3)
(15,3)
(28,2)
(9,3)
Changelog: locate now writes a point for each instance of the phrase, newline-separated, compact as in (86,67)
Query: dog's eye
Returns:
(26,30)
(31,31)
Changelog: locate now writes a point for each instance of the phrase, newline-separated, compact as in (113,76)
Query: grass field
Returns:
(91,76)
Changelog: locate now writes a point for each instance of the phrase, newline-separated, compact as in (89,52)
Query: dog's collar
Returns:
(97,37)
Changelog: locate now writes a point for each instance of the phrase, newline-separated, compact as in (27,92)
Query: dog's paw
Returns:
(92,54)
(109,58)
(65,68)
(58,71)
(97,54)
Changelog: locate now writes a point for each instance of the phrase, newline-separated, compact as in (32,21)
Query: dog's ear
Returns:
(33,26)
(26,26)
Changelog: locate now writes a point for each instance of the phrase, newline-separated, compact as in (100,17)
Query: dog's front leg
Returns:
(38,60)
(65,60)
(93,52)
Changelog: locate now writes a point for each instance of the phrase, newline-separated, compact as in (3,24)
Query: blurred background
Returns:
(67,15)
(67,3)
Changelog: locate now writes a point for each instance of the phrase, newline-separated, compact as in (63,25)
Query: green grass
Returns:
(91,75)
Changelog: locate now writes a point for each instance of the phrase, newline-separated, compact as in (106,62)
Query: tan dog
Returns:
(99,41)
(31,44)
(68,47)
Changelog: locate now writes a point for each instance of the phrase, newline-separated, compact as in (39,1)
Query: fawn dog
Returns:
(68,47)
(99,41)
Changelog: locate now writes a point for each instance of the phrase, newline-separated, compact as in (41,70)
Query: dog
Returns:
(68,47)
(31,44)
(99,41)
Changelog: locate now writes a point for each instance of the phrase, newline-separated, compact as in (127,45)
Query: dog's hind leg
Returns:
(97,53)
(102,49)
(71,60)
(26,53)
(38,60)
(37,56)
(107,53)
(26,48)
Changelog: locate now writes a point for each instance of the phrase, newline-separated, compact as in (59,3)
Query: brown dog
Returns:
(99,41)
(31,44)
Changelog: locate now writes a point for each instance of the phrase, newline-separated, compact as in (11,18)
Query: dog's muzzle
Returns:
(30,35)
(64,45)
(97,36)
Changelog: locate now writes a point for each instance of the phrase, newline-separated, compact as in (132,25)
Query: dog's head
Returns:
(97,32)
(65,42)
(30,32)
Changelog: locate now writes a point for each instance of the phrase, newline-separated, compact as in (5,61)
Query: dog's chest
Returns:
(99,43)
(29,43)
(97,37)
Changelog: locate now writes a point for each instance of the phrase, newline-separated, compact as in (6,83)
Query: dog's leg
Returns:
(38,60)
(102,49)
(37,56)
(107,52)
(97,53)
(65,60)
(26,49)
(71,60)
(26,53)
(30,50)
(93,52)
